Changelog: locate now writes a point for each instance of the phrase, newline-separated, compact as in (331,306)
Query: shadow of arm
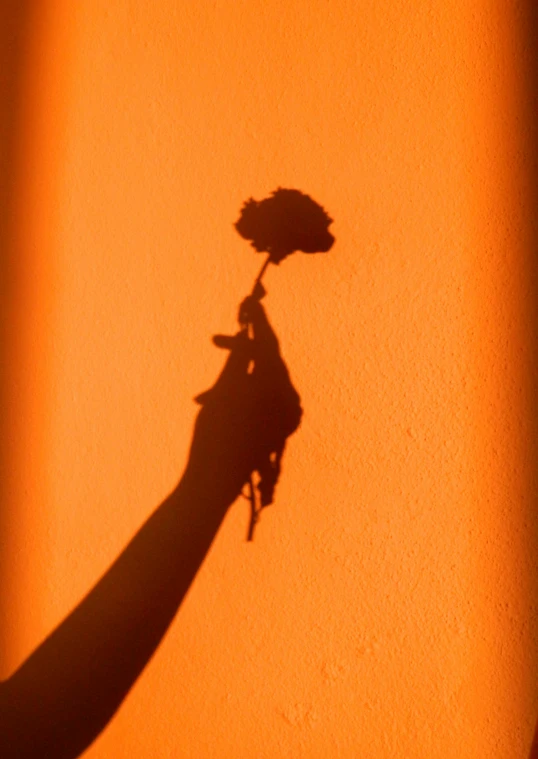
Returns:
(66,692)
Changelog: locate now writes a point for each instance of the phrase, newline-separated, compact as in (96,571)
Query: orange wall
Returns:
(386,605)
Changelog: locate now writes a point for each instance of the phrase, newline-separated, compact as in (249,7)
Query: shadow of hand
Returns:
(247,416)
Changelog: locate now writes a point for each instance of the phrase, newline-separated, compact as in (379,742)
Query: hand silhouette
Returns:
(249,413)
(219,459)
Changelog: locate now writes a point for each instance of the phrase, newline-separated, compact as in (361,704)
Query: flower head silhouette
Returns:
(285,222)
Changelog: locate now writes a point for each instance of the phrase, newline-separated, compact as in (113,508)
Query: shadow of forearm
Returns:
(66,692)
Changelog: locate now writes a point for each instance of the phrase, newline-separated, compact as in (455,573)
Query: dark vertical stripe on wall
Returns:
(530,89)
(14,27)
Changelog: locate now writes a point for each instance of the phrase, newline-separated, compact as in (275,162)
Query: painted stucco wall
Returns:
(386,606)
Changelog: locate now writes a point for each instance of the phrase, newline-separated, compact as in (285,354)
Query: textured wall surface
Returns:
(386,606)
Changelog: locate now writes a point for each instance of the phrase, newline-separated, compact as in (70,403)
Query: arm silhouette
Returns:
(70,687)
(66,692)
